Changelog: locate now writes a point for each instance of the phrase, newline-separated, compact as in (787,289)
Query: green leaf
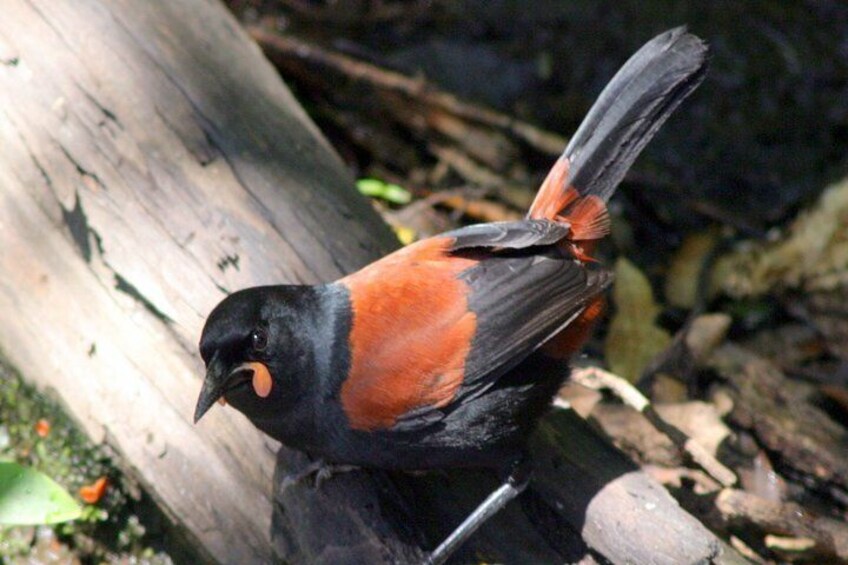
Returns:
(387,191)
(29,497)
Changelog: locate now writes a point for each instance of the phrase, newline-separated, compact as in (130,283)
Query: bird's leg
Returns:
(514,485)
(321,471)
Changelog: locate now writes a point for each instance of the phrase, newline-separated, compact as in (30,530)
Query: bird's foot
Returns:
(319,471)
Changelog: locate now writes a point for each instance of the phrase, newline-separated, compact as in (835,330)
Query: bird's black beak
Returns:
(214,386)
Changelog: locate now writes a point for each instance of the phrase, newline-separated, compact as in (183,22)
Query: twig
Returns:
(513,193)
(595,378)
(376,12)
(418,89)
(742,509)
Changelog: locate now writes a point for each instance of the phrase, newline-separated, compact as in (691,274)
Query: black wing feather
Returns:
(521,298)
(520,303)
(508,235)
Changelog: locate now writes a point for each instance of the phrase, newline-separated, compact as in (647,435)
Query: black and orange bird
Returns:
(447,352)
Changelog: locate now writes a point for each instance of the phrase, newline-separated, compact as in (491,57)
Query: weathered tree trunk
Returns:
(150,161)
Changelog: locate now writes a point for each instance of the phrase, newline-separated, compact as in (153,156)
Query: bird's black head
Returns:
(253,348)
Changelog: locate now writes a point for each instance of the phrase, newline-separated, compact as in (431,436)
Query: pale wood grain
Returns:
(144,143)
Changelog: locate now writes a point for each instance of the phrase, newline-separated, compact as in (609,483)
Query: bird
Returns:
(448,351)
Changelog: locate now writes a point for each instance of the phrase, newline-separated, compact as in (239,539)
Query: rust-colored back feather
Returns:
(410,336)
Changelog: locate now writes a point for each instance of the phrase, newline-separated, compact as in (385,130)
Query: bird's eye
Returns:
(259,339)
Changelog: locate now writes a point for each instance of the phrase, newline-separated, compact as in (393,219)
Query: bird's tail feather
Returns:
(627,114)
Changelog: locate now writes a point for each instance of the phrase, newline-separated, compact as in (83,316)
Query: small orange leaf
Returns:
(92,493)
(42,428)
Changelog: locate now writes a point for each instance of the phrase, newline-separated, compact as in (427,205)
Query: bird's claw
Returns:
(318,470)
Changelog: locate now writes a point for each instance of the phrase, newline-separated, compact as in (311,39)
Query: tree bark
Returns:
(152,161)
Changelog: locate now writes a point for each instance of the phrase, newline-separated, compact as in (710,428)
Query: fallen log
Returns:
(153,160)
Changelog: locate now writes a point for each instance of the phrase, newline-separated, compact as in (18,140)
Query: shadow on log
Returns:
(153,161)
(585,496)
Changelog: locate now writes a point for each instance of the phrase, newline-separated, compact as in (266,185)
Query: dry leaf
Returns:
(684,273)
(700,421)
(634,338)
(706,333)
(812,257)
(809,266)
